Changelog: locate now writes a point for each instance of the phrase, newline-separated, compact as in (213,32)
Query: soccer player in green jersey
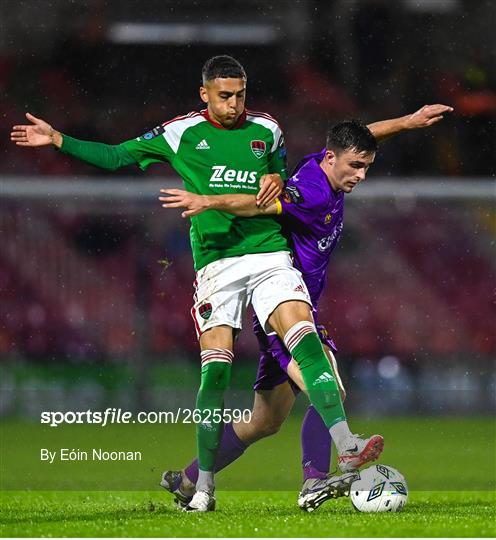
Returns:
(239,260)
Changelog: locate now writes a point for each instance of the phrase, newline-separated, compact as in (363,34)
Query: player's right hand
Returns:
(427,115)
(39,133)
(271,186)
(178,198)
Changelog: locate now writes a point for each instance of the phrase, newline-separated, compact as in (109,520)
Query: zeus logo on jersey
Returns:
(222,173)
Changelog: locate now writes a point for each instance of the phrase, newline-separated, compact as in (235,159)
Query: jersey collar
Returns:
(239,123)
(317,156)
(311,162)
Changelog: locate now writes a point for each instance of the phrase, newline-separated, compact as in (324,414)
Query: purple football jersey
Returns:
(313,221)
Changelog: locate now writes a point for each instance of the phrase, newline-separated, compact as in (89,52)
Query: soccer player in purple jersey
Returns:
(312,210)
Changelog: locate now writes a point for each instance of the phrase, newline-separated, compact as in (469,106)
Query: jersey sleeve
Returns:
(277,158)
(302,201)
(106,156)
(150,148)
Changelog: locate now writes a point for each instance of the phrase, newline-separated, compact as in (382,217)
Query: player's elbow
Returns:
(111,168)
(114,163)
(117,157)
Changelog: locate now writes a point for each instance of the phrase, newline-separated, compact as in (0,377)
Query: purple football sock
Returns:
(315,445)
(231,447)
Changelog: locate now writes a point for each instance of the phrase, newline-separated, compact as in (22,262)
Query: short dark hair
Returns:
(351,135)
(224,67)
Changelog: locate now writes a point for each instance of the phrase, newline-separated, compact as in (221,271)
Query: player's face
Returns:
(225,99)
(347,169)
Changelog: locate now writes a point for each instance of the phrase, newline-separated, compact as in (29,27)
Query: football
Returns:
(379,488)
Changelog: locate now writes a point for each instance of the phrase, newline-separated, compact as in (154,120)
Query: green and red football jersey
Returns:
(212,160)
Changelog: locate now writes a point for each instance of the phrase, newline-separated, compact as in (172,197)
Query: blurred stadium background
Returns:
(96,278)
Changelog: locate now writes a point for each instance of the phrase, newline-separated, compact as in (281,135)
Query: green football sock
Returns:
(215,379)
(318,377)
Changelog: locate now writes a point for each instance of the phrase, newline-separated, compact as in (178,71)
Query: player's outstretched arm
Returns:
(194,204)
(40,133)
(424,117)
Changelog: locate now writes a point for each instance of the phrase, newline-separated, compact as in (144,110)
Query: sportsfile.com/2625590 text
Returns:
(113,415)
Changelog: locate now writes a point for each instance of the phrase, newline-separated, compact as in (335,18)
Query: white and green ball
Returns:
(379,488)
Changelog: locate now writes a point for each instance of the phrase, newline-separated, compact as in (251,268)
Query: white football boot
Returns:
(356,451)
(202,501)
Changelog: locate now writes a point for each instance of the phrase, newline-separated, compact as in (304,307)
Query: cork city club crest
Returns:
(258,148)
(205,310)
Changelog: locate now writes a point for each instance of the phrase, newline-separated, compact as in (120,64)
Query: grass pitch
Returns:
(240,514)
(449,465)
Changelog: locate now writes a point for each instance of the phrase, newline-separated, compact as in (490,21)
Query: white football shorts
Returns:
(224,289)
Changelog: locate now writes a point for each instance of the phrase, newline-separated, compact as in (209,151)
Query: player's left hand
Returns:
(427,115)
(178,198)
(271,186)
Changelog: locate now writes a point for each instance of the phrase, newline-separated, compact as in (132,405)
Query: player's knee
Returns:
(289,314)
(269,429)
(264,426)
